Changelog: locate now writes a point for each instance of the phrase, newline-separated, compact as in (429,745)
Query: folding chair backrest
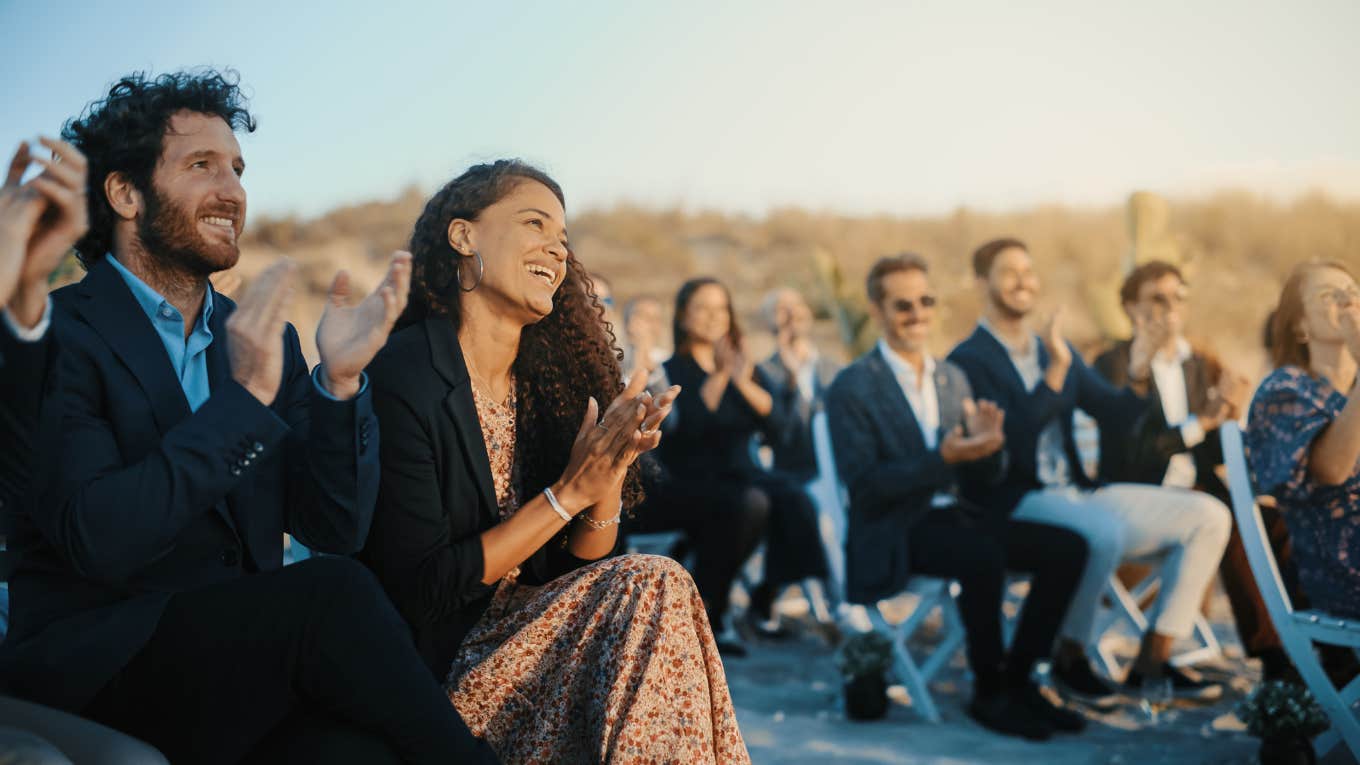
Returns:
(1255,539)
(829,494)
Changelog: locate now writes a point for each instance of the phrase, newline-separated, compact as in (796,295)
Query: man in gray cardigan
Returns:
(906,432)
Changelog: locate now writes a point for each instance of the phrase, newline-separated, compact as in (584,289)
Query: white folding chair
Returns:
(1125,610)
(931,594)
(1298,629)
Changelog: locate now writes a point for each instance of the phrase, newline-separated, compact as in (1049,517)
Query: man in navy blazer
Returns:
(185,435)
(907,434)
(1040,381)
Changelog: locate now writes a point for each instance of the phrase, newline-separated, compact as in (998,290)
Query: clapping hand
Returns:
(39,223)
(255,331)
(1059,354)
(1149,334)
(731,360)
(348,337)
(981,435)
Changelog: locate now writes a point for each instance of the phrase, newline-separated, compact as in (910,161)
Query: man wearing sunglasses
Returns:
(1040,380)
(1194,395)
(907,434)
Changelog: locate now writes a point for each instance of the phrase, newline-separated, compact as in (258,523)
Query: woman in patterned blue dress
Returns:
(1303,436)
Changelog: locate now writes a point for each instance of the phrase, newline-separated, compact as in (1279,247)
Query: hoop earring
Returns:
(481,272)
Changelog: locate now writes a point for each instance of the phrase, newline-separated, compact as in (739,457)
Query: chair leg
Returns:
(1336,704)
(904,666)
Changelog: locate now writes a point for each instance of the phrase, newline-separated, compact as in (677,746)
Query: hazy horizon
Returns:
(912,109)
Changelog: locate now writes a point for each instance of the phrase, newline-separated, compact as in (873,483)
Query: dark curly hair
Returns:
(568,356)
(682,298)
(124,132)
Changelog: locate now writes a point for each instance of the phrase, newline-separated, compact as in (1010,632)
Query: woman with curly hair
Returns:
(501,497)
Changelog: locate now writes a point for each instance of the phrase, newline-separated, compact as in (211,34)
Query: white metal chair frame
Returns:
(1125,609)
(1298,629)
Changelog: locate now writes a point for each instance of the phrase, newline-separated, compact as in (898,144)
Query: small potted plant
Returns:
(864,660)
(1286,717)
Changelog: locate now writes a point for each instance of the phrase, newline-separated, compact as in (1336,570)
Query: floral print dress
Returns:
(1289,411)
(611,663)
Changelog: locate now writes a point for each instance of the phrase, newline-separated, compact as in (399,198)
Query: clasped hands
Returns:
(347,337)
(40,221)
(981,435)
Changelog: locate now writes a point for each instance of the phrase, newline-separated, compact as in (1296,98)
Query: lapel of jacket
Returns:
(461,408)
(892,402)
(951,402)
(109,307)
(1001,359)
(1196,383)
(114,314)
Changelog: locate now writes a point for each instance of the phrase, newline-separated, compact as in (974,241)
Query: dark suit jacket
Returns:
(989,369)
(789,430)
(1142,457)
(882,459)
(25,369)
(136,499)
(437,495)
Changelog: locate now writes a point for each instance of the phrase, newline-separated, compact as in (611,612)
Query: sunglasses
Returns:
(906,306)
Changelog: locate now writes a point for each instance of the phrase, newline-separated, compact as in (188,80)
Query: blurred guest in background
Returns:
(798,376)
(1191,395)
(907,433)
(711,486)
(1040,380)
(643,337)
(1303,434)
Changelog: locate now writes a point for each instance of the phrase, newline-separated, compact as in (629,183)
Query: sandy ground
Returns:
(788,699)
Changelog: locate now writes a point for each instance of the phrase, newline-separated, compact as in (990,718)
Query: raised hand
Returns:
(1149,334)
(20,208)
(1059,354)
(1350,327)
(348,336)
(603,450)
(48,232)
(255,331)
(982,433)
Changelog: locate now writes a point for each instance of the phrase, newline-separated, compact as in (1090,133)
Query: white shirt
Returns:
(1169,375)
(806,377)
(924,400)
(1050,457)
(32,334)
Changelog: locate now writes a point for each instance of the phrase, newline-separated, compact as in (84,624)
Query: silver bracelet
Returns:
(556,506)
(602,525)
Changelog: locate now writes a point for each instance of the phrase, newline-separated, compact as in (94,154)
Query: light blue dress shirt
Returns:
(189,356)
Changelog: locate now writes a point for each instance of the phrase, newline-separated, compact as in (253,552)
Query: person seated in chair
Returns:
(1191,395)
(798,376)
(907,433)
(1303,432)
(185,434)
(1040,381)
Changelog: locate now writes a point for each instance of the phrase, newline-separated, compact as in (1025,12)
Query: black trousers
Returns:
(955,543)
(310,663)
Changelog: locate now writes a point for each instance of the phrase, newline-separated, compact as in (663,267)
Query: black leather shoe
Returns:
(1004,713)
(1078,681)
(1185,684)
(732,649)
(1062,719)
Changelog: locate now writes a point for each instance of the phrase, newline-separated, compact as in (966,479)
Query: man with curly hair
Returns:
(185,436)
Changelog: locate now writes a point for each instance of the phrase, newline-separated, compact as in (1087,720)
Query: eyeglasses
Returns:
(1340,297)
(1168,299)
(906,306)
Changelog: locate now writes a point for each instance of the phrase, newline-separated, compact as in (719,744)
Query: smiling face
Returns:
(906,312)
(522,239)
(1327,293)
(193,214)
(1161,302)
(707,315)
(791,314)
(1012,286)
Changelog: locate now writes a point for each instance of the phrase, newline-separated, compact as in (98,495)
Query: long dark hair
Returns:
(682,299)
(563,359)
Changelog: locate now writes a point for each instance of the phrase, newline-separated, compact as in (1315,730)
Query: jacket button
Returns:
(230,557)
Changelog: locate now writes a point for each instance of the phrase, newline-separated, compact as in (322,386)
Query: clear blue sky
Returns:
(902,107)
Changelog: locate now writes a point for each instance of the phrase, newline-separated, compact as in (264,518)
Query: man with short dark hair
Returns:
(907,435)
(798,376)
(186,435)
(1193,395)
(1040,381)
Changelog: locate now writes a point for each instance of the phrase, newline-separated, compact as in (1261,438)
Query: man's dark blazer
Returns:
(992,375)
(789,428)
(437,494)
(136,499)
(1143,457)
(882,459)
(25,369)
